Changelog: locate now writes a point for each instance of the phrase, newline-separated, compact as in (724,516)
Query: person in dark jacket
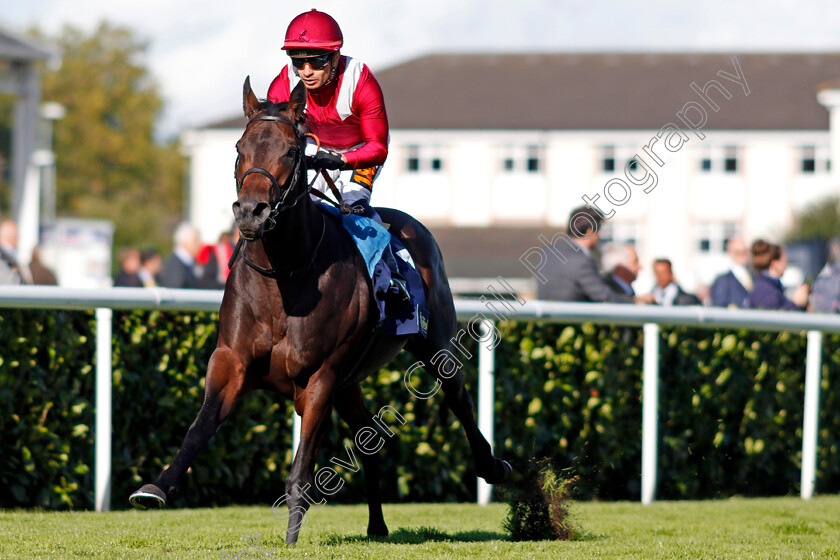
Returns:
(621,267)
(575,277)
(770,262)
(38,271)
(129,265)
(730,289)
(181,269)
(667,292)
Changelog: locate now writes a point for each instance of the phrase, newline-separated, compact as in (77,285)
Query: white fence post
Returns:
(166,299)
(486,389)
(650,406)
(295,433)
(811,413)
(104,380)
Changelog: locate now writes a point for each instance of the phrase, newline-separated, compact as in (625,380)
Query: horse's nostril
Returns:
(260,209)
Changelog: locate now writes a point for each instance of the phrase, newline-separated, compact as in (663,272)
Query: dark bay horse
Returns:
(300,318)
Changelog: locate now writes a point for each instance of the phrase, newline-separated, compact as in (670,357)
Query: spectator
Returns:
(180,270)
(129,266)
(667,292)
(731,288)
(770,262)
(621,263)
(150,266)
(825,293)
(9,269)
(216,260)
(39,273)
(577,278)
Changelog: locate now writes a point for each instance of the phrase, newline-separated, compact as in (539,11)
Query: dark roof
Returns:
(233,122)
(604,91)
(15,47)
(600,91)
(487,252)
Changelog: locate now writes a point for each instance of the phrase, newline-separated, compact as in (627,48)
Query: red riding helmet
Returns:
(313,30)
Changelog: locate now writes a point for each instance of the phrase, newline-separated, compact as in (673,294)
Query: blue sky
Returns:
(204,49)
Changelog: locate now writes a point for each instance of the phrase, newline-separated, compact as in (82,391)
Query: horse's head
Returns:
(269,170)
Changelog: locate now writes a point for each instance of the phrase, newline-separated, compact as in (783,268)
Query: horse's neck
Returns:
(292,243)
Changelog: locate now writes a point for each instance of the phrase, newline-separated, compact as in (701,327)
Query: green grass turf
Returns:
(726,529)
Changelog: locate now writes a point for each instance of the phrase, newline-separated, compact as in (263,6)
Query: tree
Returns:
(108,164)
(819,220)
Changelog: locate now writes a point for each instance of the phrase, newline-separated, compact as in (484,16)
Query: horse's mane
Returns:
(272,109)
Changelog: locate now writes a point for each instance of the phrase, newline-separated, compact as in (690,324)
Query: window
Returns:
(809,159)
(730,160)
(413,163)
(526,159)
(813,160)
(719,160)
(713,237)
(424,158)
(532,164)
(632,165)
(608,159)
(621,232)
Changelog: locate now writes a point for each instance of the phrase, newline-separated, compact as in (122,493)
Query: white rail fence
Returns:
(650,318)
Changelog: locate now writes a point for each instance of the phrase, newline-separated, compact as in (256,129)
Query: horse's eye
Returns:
(292,153)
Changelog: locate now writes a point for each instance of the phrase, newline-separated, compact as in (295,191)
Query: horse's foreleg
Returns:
(223,387)
(314,404)
(351,407)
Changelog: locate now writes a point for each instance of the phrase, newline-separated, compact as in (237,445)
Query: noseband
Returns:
(294,179)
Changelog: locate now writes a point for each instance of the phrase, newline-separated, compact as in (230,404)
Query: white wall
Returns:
(472,187)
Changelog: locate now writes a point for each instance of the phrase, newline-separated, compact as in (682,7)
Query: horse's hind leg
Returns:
(351,407)
(223,387)
(488,467)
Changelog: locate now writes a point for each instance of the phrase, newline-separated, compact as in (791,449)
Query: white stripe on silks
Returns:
(293,77)
(352,72)
(344,104)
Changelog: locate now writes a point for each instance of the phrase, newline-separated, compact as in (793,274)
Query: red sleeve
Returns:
(369,105)
(278,91)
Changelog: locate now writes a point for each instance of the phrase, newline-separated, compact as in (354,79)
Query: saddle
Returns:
(370,239)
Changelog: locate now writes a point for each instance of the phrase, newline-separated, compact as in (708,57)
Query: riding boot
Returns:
(397,287)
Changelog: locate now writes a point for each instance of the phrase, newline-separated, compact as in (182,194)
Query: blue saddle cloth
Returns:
(371,239)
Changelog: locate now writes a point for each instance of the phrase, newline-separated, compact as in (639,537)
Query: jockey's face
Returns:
(317,73)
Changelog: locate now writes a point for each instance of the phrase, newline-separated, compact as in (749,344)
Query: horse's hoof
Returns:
(148,497)
(508,470)
(501,472)
(377,531)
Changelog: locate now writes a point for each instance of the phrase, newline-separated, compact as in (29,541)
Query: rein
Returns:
(272,273)
(291,182)
(283,193)
(281,206)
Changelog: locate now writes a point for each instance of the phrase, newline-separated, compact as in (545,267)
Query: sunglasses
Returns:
(316,62)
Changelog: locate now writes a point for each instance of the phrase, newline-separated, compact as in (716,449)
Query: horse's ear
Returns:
(297,101)
(250,103)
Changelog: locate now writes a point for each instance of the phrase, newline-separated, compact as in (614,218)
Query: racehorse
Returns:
(300,318)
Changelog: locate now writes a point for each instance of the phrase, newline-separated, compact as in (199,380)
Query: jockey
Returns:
(345,109)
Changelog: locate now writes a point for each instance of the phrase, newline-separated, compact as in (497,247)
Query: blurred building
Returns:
(684,151)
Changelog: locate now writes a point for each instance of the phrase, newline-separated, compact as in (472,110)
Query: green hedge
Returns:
(730,414)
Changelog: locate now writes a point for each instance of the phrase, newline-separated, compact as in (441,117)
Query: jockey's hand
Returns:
(327,160)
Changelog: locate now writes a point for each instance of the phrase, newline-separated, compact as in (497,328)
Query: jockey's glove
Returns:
(327,160)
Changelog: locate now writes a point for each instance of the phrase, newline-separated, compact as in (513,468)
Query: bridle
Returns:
(293,180)
(282,193)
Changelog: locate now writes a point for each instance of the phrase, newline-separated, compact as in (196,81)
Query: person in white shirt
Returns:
(667,292)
